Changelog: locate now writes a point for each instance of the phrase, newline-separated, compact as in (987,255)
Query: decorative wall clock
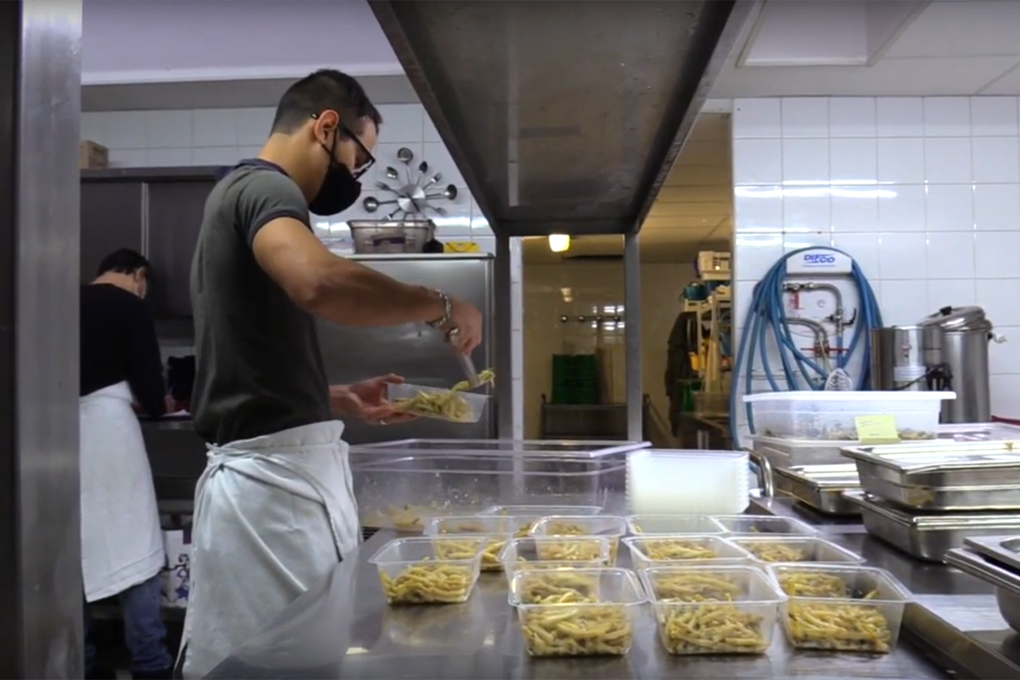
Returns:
(416,198)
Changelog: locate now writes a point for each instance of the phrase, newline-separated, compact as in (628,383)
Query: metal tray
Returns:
(1006,582)
(821,487)
(937,476)
(928,536)
(1003,549)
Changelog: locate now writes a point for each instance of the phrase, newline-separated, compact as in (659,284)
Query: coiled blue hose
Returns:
(767,312)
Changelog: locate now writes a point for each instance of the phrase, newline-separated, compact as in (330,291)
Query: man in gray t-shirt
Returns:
(275,510)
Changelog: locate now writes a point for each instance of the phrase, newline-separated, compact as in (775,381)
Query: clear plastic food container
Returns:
(527,515)
(435,402)
(429,570)
(775,549)
(764,524)
(830,415)
(554,552)
(576,612)
(662,550)
(495,530)
(405,488)
(644,525)
(713,609)
(841,608)
(612,527)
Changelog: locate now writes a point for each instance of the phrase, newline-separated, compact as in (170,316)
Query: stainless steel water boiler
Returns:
(966,332)
(907,358)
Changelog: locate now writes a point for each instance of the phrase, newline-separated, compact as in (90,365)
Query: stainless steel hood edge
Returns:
(588,101)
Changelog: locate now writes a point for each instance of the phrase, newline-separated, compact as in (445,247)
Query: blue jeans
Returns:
(144,632)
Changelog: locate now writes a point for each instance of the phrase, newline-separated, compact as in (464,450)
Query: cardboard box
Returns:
(92,156)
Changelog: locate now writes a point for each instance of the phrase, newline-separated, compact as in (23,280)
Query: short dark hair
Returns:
(326,89)
(124,261)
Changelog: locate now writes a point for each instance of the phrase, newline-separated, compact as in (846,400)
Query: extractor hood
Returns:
(563,116)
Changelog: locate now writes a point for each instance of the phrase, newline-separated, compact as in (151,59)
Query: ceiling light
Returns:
(559,243)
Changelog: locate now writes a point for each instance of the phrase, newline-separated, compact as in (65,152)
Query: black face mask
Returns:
(339,190)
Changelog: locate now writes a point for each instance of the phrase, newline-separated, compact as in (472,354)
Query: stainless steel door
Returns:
(40,561)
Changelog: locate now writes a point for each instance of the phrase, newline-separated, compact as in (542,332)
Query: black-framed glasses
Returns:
(370,159)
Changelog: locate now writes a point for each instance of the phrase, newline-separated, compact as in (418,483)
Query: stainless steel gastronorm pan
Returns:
(928,537)
(936,476)
(821,486)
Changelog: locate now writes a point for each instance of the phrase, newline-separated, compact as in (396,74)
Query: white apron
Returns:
(121,542)
(273,515)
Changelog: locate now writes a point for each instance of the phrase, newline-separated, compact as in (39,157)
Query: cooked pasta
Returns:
(446,405)
(847,627)
(428,583)
(465,550)
(560,587)
(575,550)
(767,551)
(711,629)
(665,549)
(809,584)
(587,630)
(486,376)
(696,587)
(566,528)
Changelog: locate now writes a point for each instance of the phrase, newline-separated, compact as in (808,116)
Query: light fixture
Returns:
(559,243)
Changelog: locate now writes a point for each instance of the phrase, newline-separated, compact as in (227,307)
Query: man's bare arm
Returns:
(334,288)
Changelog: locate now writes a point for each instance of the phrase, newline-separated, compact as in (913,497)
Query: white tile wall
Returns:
(223,136)
(924,193)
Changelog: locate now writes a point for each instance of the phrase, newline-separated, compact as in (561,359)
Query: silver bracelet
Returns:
(447,311)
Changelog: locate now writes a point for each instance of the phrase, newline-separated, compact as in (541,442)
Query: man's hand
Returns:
(366,400)
(466,320)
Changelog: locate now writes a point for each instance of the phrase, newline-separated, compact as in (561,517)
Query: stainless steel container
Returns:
(966,332)
(927,537)
(902,357)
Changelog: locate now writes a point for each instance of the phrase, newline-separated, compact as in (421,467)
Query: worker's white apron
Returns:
(273,515)
(121,542)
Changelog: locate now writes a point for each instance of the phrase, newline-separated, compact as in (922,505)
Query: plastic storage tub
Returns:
(764,524)
(436,402)
(786,453)
(829,416)
(551,552)
(713,609)
(594,616)
(774,549)
(665,550)
(429,570)
(863,599)
(495,530)
(646,525)
(683,482)
(613,528)
(404,488)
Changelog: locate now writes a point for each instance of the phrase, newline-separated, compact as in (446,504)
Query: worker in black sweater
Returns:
(122,545)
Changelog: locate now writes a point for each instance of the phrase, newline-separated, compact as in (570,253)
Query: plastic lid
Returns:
(861,395)
(959,319)
(694,454)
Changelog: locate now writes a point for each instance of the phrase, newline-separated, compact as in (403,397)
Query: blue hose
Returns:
(767,312)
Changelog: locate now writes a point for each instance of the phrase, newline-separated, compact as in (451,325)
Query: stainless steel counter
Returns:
(343,628)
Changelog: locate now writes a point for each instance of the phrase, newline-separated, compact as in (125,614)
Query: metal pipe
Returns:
(632,335)
(837,316)
(821,336)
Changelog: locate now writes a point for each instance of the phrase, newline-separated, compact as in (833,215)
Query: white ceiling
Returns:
(958,47)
